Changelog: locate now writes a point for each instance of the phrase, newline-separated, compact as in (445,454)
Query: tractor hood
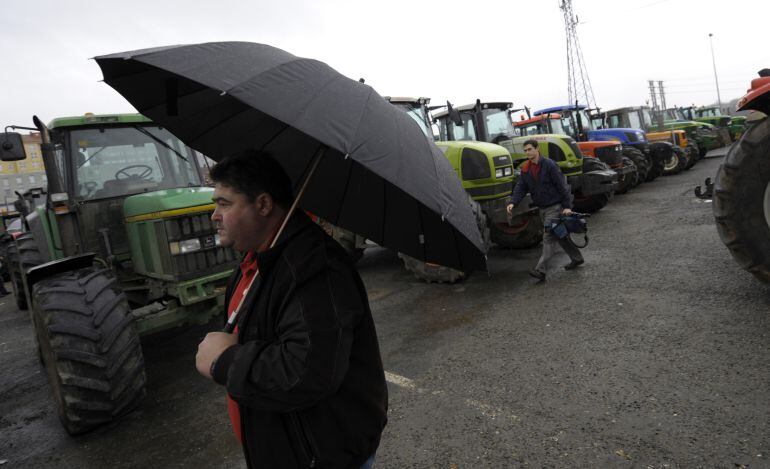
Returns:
(164,203)
(618,134)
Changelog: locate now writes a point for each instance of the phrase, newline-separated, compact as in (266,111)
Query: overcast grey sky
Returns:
(458,50)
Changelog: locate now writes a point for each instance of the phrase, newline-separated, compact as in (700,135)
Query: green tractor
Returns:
(592,186)
(733,125)
(487,174)
(705,135)
(122,247)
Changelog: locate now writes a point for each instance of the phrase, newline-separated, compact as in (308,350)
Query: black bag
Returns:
(565,225)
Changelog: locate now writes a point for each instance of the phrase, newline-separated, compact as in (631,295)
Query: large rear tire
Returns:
(434,273)
(742,200)
(23,254)
(524,231)
(91,352)
(594,202)
(639,159)
(631,180)
(692,155)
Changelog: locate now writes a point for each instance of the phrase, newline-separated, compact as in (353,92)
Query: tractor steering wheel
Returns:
(147,170)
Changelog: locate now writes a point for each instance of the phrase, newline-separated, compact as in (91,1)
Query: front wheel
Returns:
(676,163)
(430,272)
(742,200)
(90,349)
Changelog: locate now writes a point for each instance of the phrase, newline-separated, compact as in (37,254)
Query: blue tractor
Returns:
(649,157)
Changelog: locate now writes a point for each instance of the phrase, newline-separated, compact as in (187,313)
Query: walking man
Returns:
(303,374)
(544,181)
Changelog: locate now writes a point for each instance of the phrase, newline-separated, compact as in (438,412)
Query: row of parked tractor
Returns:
(601,153)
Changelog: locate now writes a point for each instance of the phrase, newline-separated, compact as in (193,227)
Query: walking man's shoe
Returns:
(573,264)
(537,274)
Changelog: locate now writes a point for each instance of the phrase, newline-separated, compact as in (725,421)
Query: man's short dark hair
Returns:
(253,172)
(531,142)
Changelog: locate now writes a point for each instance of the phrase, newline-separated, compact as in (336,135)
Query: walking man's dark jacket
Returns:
(306,372)
(549,189)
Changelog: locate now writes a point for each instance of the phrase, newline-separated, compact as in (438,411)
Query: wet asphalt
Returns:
(655,353)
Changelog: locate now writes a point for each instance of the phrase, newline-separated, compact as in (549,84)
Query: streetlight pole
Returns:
(716,80)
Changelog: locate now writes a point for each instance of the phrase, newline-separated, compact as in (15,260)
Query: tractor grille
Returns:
(495,189)
(609,155)
(209,259)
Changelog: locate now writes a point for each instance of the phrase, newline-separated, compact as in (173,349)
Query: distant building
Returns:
(20,176)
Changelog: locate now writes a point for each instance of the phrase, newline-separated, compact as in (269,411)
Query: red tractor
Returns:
(742,186)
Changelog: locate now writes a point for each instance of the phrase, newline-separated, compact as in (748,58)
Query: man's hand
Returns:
(211,348)
(566,212)
(510,209)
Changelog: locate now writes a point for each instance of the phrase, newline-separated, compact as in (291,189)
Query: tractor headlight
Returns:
(185,246)
(507,171)
(499,173)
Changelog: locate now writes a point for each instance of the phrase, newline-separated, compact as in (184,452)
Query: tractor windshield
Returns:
(646,117)
(120,161)
(417,112)
(465,131)
(498,124)
(711,112)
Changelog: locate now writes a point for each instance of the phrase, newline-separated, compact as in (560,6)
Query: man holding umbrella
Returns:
(303,368)
(303,373)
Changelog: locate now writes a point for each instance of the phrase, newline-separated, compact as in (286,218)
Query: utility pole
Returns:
(714,63)
(578,84)
(652,96)
(662,95)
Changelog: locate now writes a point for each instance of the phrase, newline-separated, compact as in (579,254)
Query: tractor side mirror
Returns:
(11,147)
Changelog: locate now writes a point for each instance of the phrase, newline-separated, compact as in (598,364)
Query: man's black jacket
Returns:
(306,372)
(550,188)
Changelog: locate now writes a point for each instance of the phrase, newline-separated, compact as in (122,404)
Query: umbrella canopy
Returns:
(379,176)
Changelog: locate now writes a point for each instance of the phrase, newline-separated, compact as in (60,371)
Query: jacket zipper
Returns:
(304,440)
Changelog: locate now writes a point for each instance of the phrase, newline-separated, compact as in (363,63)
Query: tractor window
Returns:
(464,131)
(120,161)
(647,116)
(416,112)
(633,120)
(529,129)
(498,124)
(566,126)
(613,121)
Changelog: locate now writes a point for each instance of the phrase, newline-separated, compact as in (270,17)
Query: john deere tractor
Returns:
(734,125)
(592,188)
(487,174)
(122,247)
(742,186)
(609,153)
(683,151)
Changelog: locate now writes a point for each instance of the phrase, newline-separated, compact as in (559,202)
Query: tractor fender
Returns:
(757,97)
(59,266)
(662,149)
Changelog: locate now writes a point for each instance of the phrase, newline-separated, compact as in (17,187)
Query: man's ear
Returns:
(264,204)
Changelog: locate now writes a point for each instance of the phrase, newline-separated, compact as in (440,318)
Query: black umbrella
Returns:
(378,176)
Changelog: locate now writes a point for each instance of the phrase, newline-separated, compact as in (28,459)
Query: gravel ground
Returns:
(655,353)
